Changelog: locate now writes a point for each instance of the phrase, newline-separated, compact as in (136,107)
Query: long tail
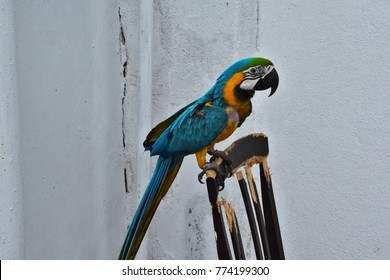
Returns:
(163,176)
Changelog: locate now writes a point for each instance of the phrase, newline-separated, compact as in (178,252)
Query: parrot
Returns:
(195,129)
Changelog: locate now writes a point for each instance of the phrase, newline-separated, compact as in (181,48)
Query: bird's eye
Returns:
(252,70)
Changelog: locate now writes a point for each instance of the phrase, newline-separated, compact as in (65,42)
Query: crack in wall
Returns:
(257,26)
(125,178)
(122,40)
(123,117)
(123,60)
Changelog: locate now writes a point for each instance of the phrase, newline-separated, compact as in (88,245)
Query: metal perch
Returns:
(264,223)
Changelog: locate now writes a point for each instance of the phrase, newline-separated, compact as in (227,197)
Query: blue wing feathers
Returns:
(191,131)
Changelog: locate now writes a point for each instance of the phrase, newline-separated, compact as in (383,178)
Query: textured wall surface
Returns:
(329,126)
(89,72)
(11,195)
(69,83)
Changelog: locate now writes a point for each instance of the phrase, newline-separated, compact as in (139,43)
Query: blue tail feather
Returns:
(164,173)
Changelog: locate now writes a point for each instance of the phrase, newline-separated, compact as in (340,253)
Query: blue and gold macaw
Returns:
(194,130)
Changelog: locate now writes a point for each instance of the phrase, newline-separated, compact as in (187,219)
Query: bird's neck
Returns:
(233,95)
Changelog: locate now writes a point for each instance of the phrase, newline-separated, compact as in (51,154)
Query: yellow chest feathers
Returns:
(231,125)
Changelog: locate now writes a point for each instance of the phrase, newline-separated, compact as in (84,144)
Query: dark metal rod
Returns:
(270,214)
(259,213)
(250,214)
(221,237)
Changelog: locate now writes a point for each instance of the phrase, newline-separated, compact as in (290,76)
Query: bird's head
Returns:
(246,76)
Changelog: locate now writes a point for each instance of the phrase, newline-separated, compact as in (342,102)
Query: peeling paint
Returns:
(267,171)
(230,215)
(249,176)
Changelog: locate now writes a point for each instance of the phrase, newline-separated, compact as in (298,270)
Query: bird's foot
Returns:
(222,170)
(207,166)
(226,161)
(219,178)
(219,154)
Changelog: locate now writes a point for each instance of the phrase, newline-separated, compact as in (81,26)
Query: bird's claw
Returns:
(200,176)
(220,176)
(226,162)
(208,166)
(222,170)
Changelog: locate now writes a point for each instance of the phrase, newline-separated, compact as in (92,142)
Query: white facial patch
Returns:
(249,84)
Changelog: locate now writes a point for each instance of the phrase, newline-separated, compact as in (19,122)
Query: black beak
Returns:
(271,80)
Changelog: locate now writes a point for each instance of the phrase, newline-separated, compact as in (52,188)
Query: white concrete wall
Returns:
(70,93)
(329,125)
(11,195)
(82,67)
